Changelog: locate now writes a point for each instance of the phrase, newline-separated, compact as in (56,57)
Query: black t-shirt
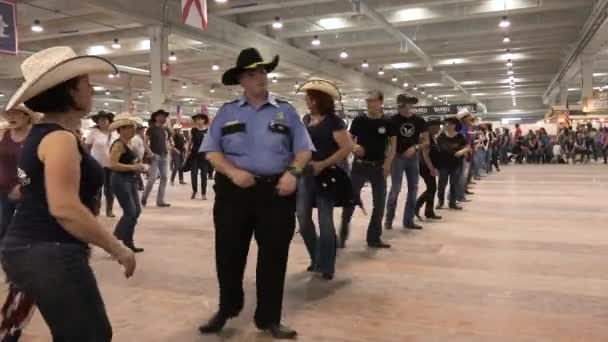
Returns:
(407,130)
(448,146)
(179,140)
(198,135)
(373,135)
(158,137)
(322,136)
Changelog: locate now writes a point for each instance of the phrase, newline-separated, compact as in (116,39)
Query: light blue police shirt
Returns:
(262,141)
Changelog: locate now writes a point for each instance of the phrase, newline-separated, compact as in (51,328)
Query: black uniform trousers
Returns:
(427,196)
(238,215)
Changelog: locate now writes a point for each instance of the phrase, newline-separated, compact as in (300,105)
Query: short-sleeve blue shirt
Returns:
(262,141)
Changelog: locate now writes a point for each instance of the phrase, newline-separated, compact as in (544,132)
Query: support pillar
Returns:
(587,77)
(127,96)
(159,50)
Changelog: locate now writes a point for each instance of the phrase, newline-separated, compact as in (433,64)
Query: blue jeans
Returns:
(476,163)
(453,176)
(461,184)
(321,248)
(409,166)
(159,165)
(360,174)
(125,190)
(58,278)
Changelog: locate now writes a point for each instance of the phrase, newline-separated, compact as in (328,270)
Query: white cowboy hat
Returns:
(50,67)
(125,119)
(35,117)
(177,126)
(322,86)
(463,113)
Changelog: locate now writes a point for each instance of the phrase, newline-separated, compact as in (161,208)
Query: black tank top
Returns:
(127,157)
(32,220)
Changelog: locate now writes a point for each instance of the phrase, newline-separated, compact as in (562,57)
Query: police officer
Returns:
(258,146)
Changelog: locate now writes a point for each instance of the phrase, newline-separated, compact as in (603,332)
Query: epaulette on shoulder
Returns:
(286,103)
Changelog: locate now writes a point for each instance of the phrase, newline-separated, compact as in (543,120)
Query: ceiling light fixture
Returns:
(365,64)
(509,63)
(184,86)
(117,75)
(405,85)
(173,57)
(277,23)
(212,90)
(115,44)
(343,54)
(504,23)
(297,85)
(111,76)
(221,1)
(215,67)
(509,54)
(316,41)
(108,92)
(37,27)
(506,39)
(140,96)
(415,87)
(381,72)
(394,78)
(274,80)
(510,72)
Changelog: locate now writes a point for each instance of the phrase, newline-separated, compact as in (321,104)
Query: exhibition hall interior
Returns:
(317,170)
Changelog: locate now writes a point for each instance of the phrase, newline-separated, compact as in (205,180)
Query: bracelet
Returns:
(295,171)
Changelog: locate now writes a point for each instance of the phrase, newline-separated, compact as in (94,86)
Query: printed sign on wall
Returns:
(8,28)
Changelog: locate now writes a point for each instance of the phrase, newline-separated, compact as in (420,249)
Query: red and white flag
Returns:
(194,13)
(567,115)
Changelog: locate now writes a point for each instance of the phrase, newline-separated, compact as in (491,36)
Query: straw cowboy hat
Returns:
(50,67)
(177,126)
(463,113)
(322,86)
(125,119)
(248,59)
(34,116)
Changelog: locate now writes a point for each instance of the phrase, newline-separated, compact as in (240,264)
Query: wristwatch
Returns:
(295,171)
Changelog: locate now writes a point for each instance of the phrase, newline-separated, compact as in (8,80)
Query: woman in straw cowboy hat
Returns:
(333,144)
(46,249)
(125,168)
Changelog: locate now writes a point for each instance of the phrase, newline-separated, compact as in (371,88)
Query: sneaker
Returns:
(413,226)
(163,205)
(378,244)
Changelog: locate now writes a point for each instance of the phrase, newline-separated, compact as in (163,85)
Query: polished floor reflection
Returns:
(526,261)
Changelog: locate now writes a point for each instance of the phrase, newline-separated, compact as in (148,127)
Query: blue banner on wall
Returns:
(8,28)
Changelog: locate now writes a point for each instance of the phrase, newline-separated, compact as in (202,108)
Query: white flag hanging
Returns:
(194,13)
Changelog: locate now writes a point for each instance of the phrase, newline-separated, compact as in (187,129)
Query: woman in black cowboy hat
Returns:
(98,143)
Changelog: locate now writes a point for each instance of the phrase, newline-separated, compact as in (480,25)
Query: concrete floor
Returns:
(524,262)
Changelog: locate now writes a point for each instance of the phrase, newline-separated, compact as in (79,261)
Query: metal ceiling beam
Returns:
(277,5)
(596,24)
(234,37)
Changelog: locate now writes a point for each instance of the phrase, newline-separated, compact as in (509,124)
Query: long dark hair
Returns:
(324,102)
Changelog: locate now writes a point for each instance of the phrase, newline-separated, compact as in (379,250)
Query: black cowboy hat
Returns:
(433,121)
(202,116)
(157,113)
(454,121)
(406,99)
(102,114)
(248,59)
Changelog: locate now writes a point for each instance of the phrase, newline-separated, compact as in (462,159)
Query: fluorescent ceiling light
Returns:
(37,27)
(215,67)
(381,72)
(144,44)
(430,85)
(316,41)
(343,54)
(506,39)
(97,50)
(333,23)
(470,82)
(173,57)
(115,44)
(365,64)
(405,85)
(401,65)
(98,88)
(412,14)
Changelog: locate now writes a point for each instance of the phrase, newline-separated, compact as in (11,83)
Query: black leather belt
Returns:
(268,179)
